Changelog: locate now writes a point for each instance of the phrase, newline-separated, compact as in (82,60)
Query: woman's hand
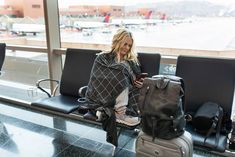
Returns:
(139,83)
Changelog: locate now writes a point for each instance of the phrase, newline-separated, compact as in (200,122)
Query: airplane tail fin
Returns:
(107,18)
(163,16)
(149,14)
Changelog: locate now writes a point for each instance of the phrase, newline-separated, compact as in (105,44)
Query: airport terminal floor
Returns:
(27,133)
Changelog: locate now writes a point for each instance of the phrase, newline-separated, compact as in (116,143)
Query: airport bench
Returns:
(207,79)
(76,74)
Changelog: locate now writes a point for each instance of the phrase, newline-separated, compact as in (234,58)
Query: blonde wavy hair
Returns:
(118,39)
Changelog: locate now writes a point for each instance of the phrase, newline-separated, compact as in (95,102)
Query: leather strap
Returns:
(154,122)
(213,126)
(216,124)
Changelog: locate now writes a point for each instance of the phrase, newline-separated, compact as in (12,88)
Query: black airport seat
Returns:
(149,63)
(76,74)
(207,79)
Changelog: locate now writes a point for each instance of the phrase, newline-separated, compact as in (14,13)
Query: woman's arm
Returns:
(139,77)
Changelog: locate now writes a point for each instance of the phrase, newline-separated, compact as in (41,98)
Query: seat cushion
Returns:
(61,103)
(198,140)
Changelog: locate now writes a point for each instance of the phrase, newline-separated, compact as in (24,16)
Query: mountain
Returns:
(188,8)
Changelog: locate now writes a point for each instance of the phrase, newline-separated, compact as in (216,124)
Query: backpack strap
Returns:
(213,126)
(217,122)
(182,93)
(154,123)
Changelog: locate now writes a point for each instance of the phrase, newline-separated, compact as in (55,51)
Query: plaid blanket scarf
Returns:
(108,79)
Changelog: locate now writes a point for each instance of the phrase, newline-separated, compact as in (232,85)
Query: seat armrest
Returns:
(82,91)
(48,80)
(1,73)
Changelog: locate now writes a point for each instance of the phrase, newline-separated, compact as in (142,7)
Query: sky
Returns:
(64,3)
(130,2)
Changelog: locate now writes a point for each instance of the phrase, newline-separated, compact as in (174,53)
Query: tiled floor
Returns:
(29,134)
(32,134)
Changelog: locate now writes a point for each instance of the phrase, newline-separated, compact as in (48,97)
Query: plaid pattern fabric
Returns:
(132,108)
(108,79)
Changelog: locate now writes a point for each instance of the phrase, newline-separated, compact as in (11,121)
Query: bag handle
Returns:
(162,82)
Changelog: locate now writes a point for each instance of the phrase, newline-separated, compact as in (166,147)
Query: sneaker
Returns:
(98,115)
(127,120)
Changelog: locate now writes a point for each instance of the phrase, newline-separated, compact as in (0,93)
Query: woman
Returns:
(113,79)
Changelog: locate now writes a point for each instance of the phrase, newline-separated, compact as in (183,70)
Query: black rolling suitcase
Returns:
(181,146)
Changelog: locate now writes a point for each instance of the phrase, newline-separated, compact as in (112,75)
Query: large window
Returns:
(22,22)
(180,24)
(173,27)
(21,70)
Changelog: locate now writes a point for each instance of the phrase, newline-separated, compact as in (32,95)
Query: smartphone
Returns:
(140,76)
